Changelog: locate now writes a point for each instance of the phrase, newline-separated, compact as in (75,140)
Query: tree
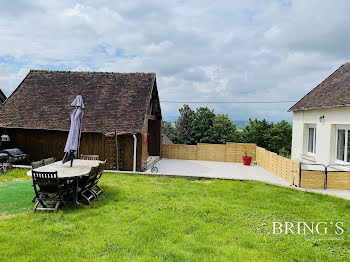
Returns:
(184,126)
(203,120)
(276,138)
(222,130)
(169,130)
(280,138)
(257,132)
(283,152)
(203,126)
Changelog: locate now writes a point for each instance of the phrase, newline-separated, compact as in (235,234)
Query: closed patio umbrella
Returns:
(73,141)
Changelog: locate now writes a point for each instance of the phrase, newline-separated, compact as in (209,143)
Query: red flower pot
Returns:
(247,160)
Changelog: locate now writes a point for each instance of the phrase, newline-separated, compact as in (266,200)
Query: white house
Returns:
(321,121)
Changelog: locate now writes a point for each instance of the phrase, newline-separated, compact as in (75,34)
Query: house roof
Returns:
(334,91)
(166,140)
(2,96)
(113,101)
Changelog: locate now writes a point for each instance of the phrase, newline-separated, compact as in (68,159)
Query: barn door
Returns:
(154,131)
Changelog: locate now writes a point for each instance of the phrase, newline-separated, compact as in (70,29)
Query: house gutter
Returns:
(135,153)
(47,129)
(317,107)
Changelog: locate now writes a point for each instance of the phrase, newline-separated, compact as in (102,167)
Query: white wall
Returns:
(325,133)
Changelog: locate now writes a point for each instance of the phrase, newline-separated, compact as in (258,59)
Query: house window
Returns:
(342,145)
(311,140)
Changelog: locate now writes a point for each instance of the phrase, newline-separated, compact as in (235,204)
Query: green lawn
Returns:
(142,218)
(14,194)
(14,174)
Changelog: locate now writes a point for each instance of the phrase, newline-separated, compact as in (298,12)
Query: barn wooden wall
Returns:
(42,144)
(119,152)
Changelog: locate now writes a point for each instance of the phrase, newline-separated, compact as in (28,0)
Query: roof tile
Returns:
(113,101)
(334,91)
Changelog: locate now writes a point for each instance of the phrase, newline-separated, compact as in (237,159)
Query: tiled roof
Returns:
(334,91)
(2,97)
(166,140)
(113,101)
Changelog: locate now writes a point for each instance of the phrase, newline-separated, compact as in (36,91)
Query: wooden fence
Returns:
(278,165)
(325,179)
(233,152)
(338,180)
(312,179)
(229,152)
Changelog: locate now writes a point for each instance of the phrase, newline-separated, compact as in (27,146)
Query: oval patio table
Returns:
(79,169)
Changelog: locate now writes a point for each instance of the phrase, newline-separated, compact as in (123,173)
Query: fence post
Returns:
(299,174)
(325,177)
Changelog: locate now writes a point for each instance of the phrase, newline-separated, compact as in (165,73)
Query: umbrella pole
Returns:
(72,158)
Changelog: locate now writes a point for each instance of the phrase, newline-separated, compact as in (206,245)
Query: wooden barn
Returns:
(121,123)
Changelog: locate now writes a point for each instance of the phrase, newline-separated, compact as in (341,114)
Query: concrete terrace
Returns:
(232,171)
(214,169)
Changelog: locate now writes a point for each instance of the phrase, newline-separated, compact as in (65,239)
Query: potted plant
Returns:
(246,159)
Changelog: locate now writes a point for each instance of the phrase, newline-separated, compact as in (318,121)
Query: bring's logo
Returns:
(308,228)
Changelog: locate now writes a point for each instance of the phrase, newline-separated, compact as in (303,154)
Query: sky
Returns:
(209,51)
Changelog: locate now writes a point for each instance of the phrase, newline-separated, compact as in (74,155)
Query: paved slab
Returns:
(213,169)
(333,192)
(232,171)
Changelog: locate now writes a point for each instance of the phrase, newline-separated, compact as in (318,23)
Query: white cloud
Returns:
(10,79)
(159,48)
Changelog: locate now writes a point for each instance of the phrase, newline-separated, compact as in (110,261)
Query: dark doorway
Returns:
(154,131)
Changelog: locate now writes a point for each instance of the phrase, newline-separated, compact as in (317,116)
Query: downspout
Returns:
(135,153)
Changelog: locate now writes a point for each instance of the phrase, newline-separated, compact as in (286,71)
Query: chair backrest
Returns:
(93,173)
(48,161)
(102,167)
(89,157)
(37,164)
(45,178)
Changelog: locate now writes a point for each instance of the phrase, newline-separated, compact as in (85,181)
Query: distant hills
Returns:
(240,124)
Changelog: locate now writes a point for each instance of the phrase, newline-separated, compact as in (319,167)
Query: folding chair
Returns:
(85,184)
(95,187)
(50,191)
(37,164)
(48,161)
(89,157)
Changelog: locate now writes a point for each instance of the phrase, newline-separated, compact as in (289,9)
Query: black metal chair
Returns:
(50,191)
(48,161)
(95,187)
(85,184)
